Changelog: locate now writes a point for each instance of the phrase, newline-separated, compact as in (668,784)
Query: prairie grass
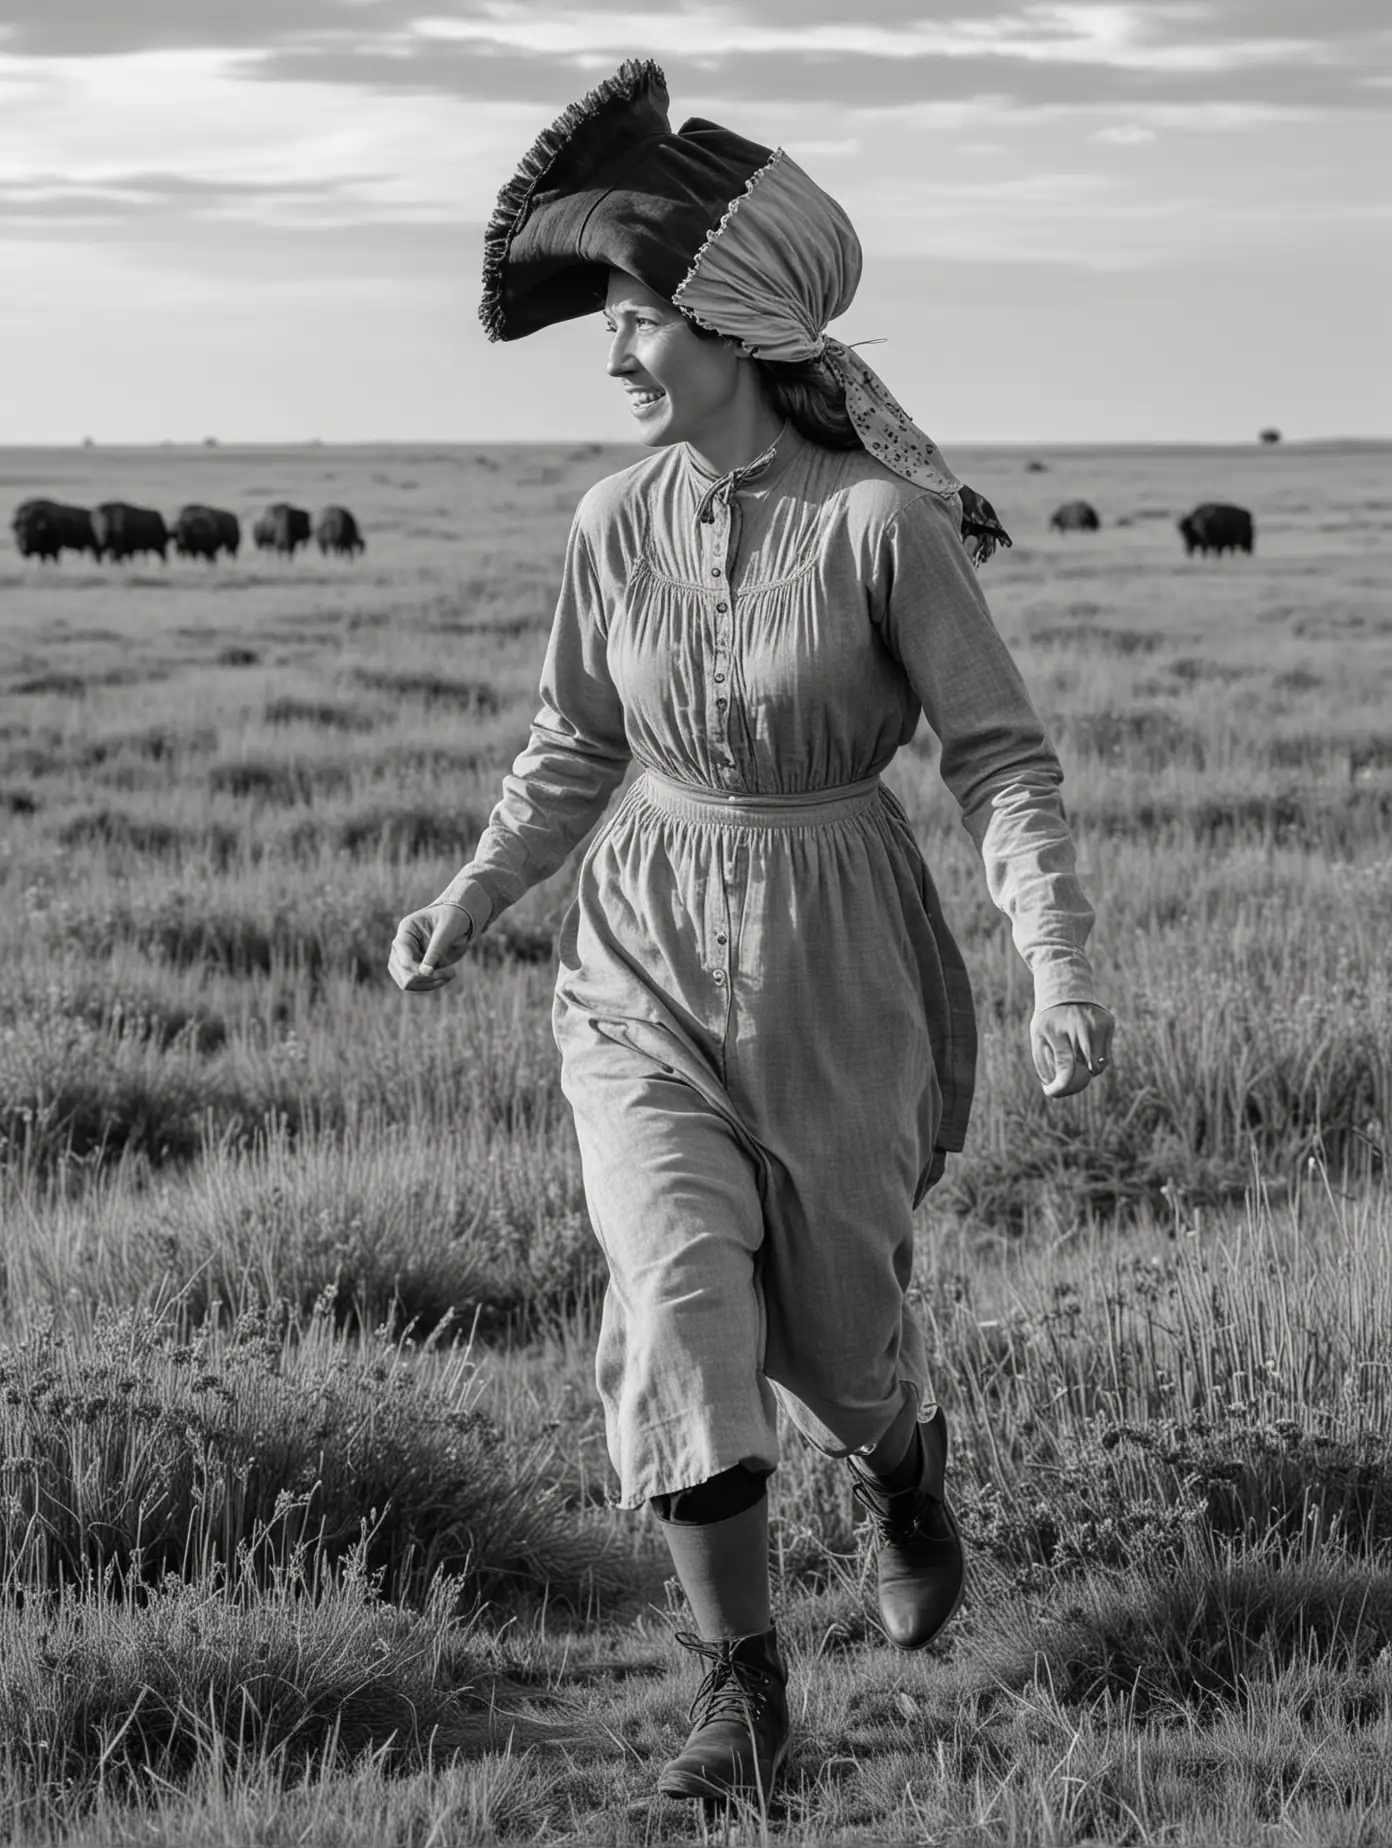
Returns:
(303,1489)
(132,1454)
(243,1674)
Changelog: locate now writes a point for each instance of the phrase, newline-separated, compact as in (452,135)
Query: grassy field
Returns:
(303,1497)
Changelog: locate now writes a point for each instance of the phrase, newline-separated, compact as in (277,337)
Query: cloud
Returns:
(759,78)
(391,119)
(1039,56)
(155,191)
(798,50)
(1113,29)
(193,118)
(94,28)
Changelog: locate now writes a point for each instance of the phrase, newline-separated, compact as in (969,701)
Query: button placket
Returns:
(720,918)
(718,704)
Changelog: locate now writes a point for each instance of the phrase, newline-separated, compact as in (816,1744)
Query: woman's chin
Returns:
(657,432)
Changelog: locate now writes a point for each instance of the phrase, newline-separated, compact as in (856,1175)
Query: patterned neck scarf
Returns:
(782,262)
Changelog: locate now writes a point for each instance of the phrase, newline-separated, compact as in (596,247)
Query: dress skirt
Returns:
(743,1011)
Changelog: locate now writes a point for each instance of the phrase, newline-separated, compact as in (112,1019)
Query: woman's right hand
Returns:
(425,942)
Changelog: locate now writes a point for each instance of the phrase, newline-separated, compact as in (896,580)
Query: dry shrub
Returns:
(152,834)
(433,691)
(278,780)
(324,714)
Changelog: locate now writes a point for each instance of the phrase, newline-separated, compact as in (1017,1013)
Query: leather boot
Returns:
(739,1735)
(920,1564)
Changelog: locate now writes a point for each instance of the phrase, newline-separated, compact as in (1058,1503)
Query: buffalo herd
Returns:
(1213,526)
(45,529)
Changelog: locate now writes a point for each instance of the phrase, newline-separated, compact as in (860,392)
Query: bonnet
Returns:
(733,233)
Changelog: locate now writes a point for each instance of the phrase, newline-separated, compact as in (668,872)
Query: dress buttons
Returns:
(719,978)
(715,570)
(720,936)
(721,704)
(720,676)
(722,607)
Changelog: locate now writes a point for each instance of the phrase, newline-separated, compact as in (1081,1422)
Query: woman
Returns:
(766,1030)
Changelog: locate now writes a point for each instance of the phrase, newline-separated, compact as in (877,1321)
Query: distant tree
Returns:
(1271,435)
(210,442)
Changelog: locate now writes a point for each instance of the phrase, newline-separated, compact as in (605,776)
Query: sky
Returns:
(262,220)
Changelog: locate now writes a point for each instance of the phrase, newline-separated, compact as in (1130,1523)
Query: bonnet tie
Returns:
(725,486)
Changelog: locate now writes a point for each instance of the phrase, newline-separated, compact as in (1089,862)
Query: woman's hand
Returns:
(1072,1045)
(425,942)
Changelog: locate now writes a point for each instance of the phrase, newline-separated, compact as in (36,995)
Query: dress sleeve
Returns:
(996,756)
(573,761)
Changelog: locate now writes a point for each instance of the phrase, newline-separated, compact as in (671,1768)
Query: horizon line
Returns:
(213,446)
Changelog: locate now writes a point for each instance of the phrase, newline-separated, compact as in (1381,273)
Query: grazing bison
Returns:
(195,533)
(1075,516)
(337,531)
(203,532)
(229,531)
(282,528)
(1216,526)
(45,529)
(123,531)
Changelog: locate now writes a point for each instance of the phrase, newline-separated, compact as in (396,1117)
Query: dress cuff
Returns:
(469,896)
(1070,980)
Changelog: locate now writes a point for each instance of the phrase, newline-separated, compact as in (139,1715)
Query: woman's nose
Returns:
(618,356)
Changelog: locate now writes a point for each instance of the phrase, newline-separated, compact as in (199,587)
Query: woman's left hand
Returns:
(1072,1045)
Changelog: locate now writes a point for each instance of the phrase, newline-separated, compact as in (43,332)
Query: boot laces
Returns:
(891,1525)
(731,1690)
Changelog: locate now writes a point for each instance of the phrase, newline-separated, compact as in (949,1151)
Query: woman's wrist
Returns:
(468,897)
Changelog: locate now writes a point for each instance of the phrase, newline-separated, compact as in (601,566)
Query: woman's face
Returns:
(680,388)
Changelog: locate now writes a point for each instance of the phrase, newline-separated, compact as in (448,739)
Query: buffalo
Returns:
(45,529)
(1216,526)
(282,528)
(229,531)
(1075,516)
(203,532)
(195,533)
(123,531)
(337,531)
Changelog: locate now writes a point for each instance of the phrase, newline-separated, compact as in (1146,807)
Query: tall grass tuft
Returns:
(129,1454)
(273,1676)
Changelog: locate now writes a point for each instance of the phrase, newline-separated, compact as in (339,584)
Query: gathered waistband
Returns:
(743,810)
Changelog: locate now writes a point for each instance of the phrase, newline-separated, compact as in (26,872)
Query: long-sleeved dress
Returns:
(766,1029)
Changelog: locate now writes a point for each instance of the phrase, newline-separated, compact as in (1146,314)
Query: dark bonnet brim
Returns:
(635,79)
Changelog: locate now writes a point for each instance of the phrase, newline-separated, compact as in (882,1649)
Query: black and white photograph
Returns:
(695,971)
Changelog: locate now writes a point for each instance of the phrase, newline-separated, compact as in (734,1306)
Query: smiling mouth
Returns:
(640,400)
